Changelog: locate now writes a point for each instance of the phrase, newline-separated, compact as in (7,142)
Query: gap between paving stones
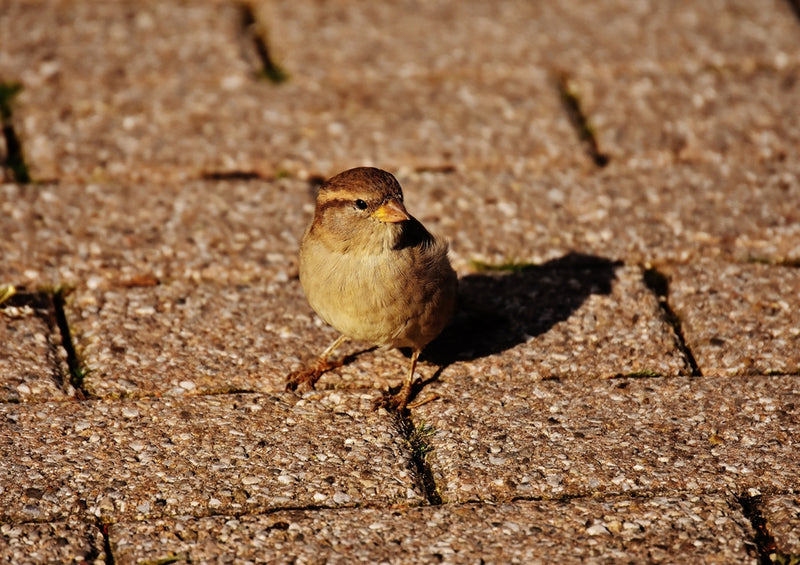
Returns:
(578,118)
(14,160)
(257,32)
(658,283)
(762,538)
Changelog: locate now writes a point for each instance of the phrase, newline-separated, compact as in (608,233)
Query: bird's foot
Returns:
(397,402)
(305,379)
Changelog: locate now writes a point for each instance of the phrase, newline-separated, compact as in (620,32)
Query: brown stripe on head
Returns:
(368,183)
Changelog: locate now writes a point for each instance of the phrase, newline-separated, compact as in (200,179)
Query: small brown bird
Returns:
(373,272)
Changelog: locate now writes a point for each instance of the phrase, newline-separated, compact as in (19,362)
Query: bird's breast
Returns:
(385,298)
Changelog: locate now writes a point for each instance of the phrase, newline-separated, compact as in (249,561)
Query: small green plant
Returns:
(8,90)
(6,292)
(418,440)
(14,161)
(643,374)
(507,267)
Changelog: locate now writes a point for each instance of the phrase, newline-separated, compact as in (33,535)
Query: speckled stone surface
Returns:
(32,366)
(129,115)
(172,188)
(513,33)
(128,235)
(573,317)
(500,439)
(782,514)
(207,455)
(55,542)
(739,319)
(653,530)
(183,338)
(678,214)
(22,262)
(743,112)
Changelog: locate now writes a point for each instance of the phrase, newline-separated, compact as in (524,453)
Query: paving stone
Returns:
(243,231)
(127,235)
(32,366)
(782,514)
(742,113)
(675,214)
(655,530)
(497,438)
(55,542)
(183,338)
(592,319)
(92,73)
(377,37)
(129,117)
(739,319)
(197,339)
(229,454)
(22,265)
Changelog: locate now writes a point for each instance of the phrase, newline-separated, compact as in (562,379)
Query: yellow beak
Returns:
(391,212)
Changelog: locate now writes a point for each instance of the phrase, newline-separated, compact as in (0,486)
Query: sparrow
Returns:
(373,272)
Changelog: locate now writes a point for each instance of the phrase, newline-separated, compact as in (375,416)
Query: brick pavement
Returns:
(619,183)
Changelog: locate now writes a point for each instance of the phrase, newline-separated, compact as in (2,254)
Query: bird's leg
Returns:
(399,400)
(310,375)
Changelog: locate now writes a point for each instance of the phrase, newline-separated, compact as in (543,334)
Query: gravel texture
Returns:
(742,112)
(114,235)
(574,317)
(32,364)
(172,184)
(56,542)
(497,439)
(23,264)
(614,530)
(183,338)
(229,454)
(507,34)
(164,93)
(782,514)
(680,214)
(739,319)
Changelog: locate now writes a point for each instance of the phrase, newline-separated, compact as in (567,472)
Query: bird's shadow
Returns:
(504,306)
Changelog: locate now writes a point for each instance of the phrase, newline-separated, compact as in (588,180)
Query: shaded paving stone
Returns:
(56,542)
(501,438)
(655,530)
(576,316)
(229,454)
(741,112)
(782,514)
(739,319)
(31,368)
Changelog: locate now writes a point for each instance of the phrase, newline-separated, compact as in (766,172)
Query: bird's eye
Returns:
(361,205)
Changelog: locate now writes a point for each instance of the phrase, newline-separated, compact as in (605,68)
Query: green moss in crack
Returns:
(14,160)
(508,267)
